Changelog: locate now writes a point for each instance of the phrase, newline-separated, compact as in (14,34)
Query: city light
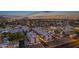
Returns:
(42,30)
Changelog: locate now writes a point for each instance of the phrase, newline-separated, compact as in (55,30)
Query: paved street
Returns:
(74,44)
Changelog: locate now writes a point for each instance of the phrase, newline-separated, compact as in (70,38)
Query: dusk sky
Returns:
(17,12)
(33,12)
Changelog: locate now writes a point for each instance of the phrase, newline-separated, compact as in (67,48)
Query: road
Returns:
(74,44)
(42,44)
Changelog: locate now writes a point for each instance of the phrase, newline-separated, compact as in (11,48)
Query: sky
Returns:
(34,12)
(17,12)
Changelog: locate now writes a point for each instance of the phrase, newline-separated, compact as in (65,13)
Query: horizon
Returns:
(20,13)
(17,12)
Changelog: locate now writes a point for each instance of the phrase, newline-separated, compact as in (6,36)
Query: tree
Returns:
(1,38)
(18,36)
